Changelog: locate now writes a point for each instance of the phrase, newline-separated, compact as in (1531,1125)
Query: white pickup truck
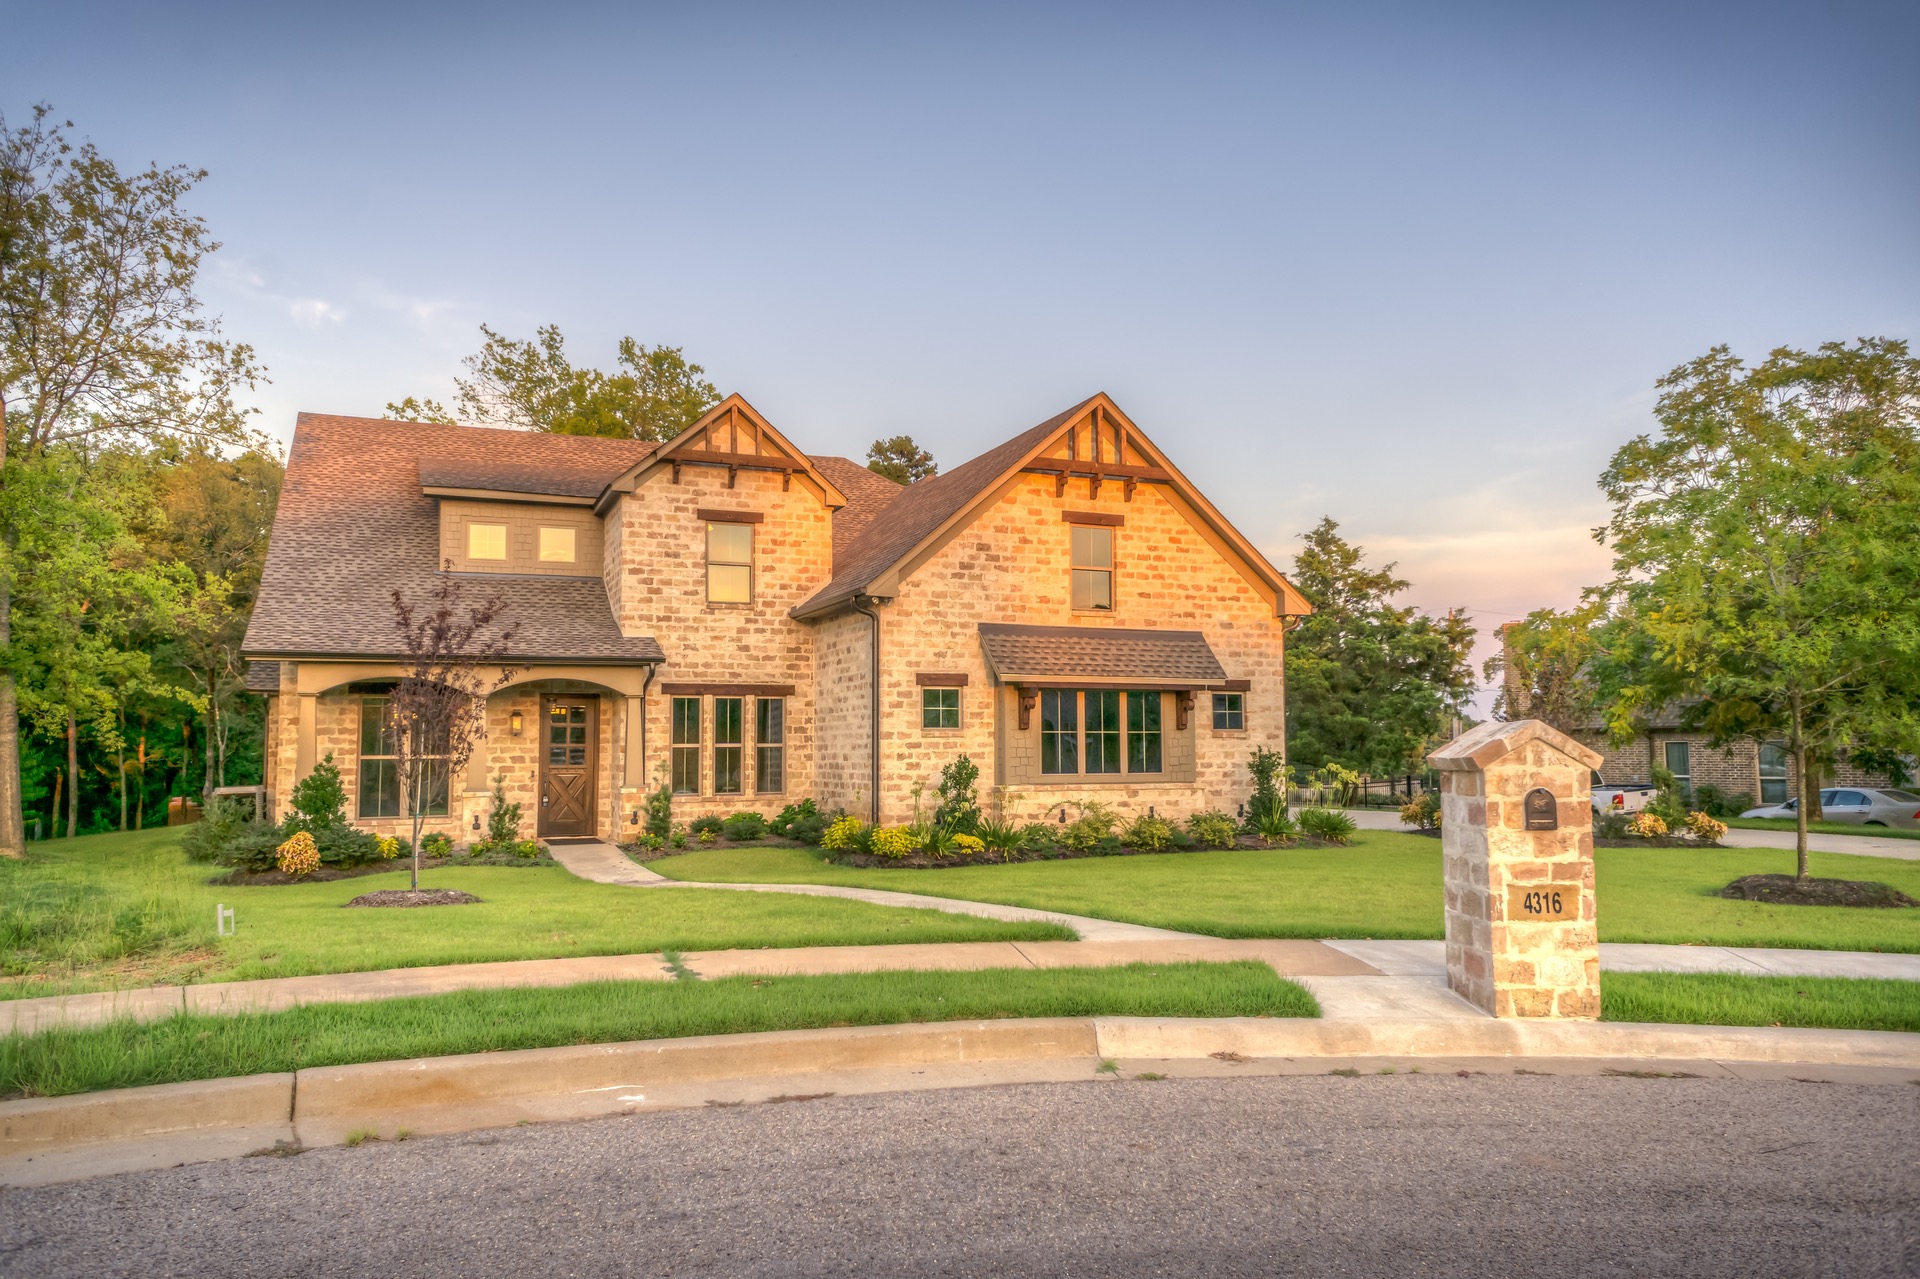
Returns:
(1620,799)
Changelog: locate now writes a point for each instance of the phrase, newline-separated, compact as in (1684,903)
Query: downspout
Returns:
(873,690)
(645,684)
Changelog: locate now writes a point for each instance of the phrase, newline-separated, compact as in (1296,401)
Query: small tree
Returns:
(438,709)
(1266,767)
(959,803)
(319,799)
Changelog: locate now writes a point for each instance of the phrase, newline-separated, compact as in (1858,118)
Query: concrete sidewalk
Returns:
(1429,959)
(1860,845)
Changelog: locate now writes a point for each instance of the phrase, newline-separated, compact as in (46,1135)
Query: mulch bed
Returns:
(920,861)
(421,897)
(1658,841)
(1786,890)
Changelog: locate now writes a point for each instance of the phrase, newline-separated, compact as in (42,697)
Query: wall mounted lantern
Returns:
(514,723)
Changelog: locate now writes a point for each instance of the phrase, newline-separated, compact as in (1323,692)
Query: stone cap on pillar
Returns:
(1488,743)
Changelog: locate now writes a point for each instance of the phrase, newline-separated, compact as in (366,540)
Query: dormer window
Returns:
(486,541)
(556,545)
(1092,568)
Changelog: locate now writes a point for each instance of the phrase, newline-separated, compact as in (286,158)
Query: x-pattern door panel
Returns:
(566,768)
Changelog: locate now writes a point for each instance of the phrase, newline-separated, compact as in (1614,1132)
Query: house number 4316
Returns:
(1542,903)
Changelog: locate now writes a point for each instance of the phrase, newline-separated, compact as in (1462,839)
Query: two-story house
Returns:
(725,615)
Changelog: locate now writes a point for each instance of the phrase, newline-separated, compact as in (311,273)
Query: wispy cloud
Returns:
(315,313)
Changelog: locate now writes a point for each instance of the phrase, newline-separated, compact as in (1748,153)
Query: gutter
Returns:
(860,603)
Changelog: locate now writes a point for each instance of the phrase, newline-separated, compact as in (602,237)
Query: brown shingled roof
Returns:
(353,525)
(263,677)
(512,477)
(919,510)
(1101,655)
(867,495)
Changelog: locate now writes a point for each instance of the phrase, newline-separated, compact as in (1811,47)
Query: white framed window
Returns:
(1092,568)
(556,545)
(729,563)
(486,541)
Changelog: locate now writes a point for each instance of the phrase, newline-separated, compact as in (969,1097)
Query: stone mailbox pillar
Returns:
(1516,829)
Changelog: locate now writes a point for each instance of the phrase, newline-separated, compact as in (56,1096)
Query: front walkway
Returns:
(1860,845)
(605,864)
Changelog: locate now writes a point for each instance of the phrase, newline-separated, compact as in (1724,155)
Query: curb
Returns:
(44,1140)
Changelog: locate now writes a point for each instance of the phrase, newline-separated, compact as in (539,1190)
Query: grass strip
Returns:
(1822,828)
(1732,999)
(127,1054)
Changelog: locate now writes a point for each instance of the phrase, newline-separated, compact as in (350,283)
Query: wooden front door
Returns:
(567,752)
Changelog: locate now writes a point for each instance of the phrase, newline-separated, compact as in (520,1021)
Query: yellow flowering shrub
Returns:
(968,845)
(892,841)
(389,847)
(844,833)
(298,856)
(1706,829)
(1647,825)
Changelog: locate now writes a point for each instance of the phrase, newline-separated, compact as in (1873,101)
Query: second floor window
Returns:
(1092,568)
(686,746)
(726,745)
(486,541)
(556,545)
(729,563)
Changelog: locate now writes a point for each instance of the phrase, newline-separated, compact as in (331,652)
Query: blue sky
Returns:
(1413,266)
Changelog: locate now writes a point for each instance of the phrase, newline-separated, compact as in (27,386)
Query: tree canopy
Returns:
(1370,686)
(531,385)
(901,460)
(1766,554)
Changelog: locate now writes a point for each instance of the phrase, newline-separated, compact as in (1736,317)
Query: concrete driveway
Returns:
(1861,845)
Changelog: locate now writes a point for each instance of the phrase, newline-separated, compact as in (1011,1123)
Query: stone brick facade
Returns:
(1522,931)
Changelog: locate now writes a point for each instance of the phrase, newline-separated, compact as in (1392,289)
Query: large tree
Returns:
(531,385)
(1370,685)
(103,339)
(1765,548)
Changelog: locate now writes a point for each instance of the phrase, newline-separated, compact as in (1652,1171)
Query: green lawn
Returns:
(130,910)
(1386,885)
(1728,999)
(1822,828)
(126,1054)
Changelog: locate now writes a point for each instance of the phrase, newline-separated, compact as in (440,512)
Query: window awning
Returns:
(1097,657)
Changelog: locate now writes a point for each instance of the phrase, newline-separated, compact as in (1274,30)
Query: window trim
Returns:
(1075,568)
(679,749)
(1783,778)
(927,695)
(711,563)
(506,550)
(441,786)
(765,747)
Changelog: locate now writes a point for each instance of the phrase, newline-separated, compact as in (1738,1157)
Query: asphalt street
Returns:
(1410,1175)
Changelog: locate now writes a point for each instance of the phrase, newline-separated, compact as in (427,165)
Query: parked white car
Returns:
(1860,805)
(1620,799)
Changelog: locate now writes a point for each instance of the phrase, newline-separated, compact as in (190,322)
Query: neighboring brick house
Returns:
(728,616)
(1763,771)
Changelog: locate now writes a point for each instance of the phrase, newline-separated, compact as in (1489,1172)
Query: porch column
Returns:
(477,760)
(307,756)
(633,767)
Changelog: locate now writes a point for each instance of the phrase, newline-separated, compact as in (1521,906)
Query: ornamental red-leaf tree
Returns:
(453,655)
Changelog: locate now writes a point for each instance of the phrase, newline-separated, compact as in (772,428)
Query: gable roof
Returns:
(916,520)
(867,495)
(353,525)
(1099,655)
(715,440)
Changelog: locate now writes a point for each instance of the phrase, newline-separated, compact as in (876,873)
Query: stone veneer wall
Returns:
(1504,966)
(843,742)
(1012,565)
(661,588)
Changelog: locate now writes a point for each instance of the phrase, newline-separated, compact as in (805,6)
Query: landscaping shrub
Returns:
(387,847)
(1328,824)
(319,799)
(1714,802)
(998,836)
(959,805)
(207,839)
(969,845)
(1213,829)
(891,841)
(503,827)
(1150,833)
(743,826)
(1093,828)
(707,836)
(844,833)
(1039,836)
(1422,811)
(936,839)
(298,855)
(802,821)
(709,824)
(1612,824)
(1274,827)
(1647,824)
(436,845)
(255,848)
(660,812)
(1706,829)
(647,841)
(1266,767)
(346,846)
